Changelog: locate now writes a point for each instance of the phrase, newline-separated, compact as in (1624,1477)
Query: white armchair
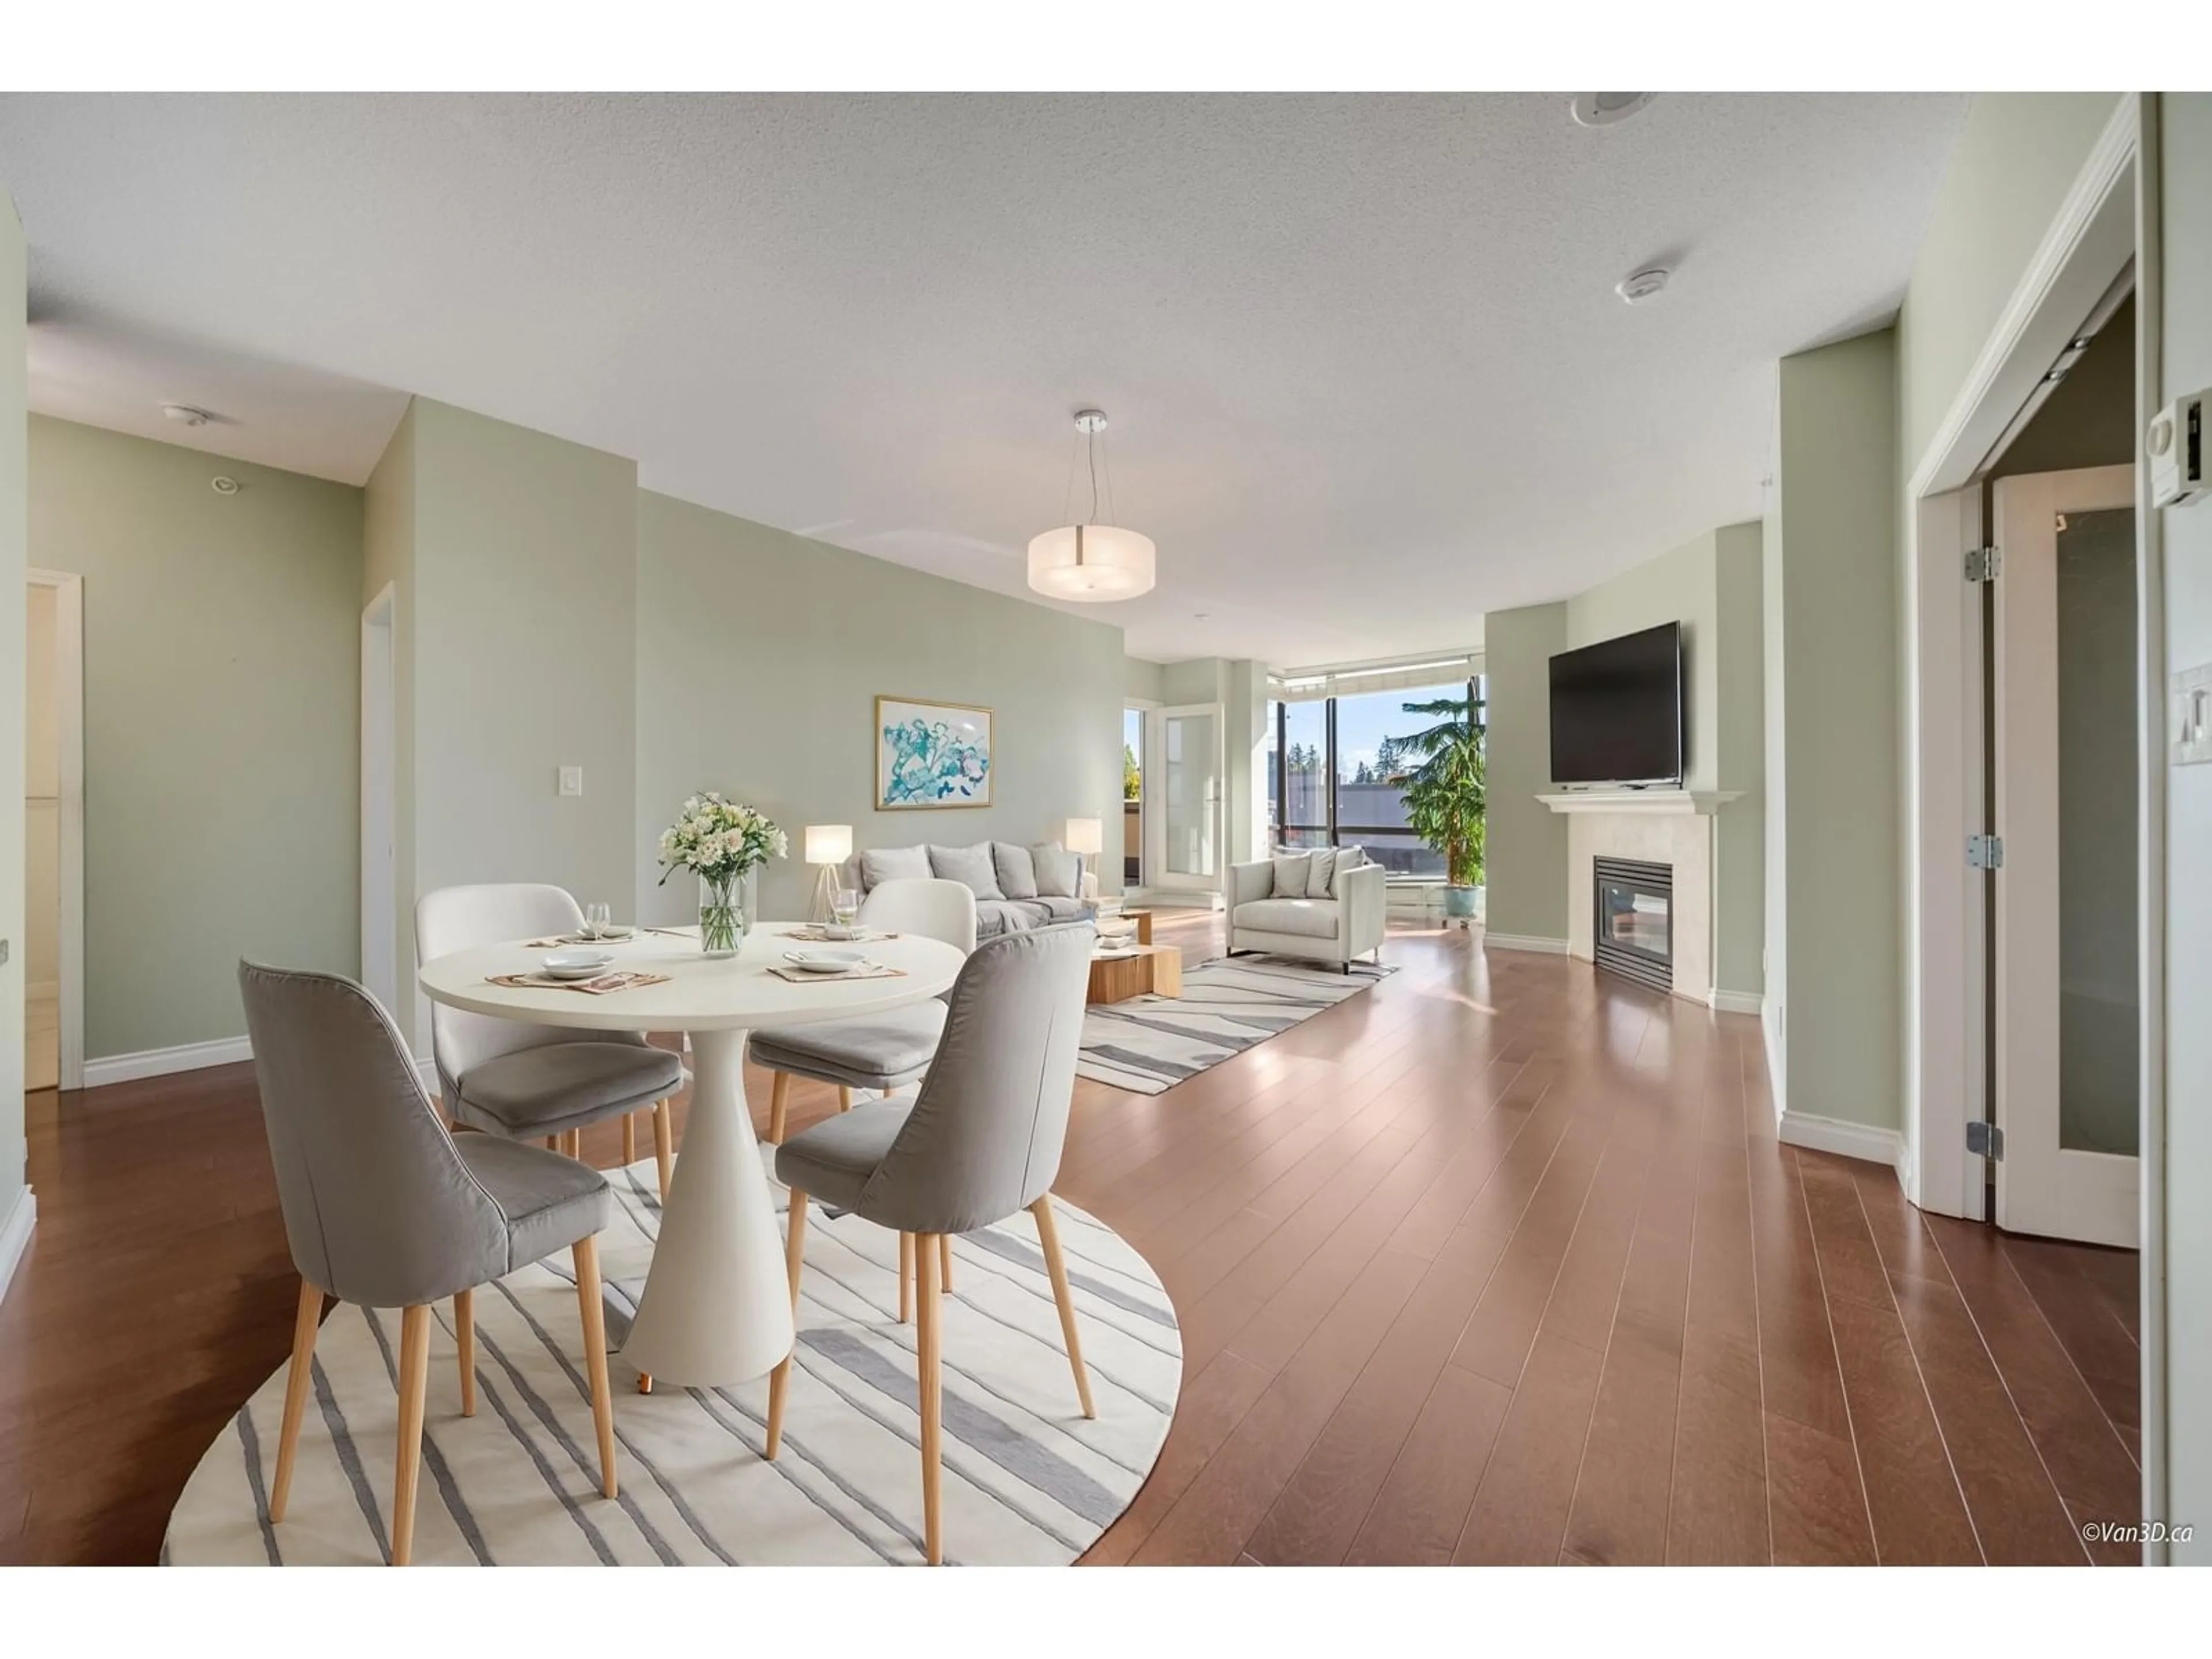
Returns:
(1334,929)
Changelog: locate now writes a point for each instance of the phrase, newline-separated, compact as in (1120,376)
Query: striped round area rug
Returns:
(1027,1479)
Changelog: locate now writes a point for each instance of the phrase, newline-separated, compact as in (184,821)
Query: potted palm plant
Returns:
(1445,794)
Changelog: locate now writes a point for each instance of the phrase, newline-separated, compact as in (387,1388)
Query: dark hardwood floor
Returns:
(1499,1262)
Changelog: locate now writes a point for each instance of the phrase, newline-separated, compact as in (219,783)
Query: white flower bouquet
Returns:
(721,843)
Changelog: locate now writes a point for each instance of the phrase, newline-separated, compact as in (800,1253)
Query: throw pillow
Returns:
(1348,858)
(1318,873)
(1291,870)
(881,864)
(1016,870)
(1059,872)
(971,866)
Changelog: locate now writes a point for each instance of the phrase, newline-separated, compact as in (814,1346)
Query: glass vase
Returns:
(721,915)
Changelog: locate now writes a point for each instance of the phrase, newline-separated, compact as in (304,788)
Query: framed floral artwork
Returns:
(932,754)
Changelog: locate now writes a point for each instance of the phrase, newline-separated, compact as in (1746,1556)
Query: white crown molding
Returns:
(160,1062)
(16,1236)
(1677,803)
(1548,947)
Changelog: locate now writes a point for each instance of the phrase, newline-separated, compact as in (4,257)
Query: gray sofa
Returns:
(1017,888)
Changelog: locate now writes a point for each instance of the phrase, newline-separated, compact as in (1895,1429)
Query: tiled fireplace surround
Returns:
(1683,840)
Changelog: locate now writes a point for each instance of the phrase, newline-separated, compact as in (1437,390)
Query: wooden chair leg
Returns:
(305,1323)
(929,1376)
(906,1278)
(779,1379)
(844,1098)
(779,1106)
(414,1382)
(629,1139)
(1056,1265)
(663,1145)
(464,1336)
(944,1262)
(591,1303)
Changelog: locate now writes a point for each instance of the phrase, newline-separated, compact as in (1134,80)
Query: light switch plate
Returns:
(572,779)
(2190,730)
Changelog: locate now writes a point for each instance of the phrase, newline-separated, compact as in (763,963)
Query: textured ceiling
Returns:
(1367,374)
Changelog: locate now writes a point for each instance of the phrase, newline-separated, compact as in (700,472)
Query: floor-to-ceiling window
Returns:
(1339,762)
(1133,797)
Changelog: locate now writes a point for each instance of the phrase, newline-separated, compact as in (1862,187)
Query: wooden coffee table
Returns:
(1151,969)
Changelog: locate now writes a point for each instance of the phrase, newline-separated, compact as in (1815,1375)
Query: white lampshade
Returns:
(828,843)
(1086,837)
(1091,562)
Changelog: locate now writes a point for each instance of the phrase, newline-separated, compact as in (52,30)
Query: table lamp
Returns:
(828,845)
(1088,837)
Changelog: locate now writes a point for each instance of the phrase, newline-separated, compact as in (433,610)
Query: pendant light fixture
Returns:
(1091,561)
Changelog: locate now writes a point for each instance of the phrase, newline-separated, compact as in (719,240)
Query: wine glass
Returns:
(845,906)
(597,918)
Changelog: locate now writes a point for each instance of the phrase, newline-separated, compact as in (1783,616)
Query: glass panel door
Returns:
(1188,811)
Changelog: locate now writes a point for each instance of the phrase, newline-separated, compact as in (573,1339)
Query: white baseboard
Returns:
(160,1062)
(1843,1138)
(1737,1002)
(1549,947)
(16,1236)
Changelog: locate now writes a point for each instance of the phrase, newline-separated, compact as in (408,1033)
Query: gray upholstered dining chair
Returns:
(980,1141)
(885,1051)
(522,1081)
(385,1208)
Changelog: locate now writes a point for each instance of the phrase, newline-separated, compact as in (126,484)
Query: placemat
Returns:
(814,933)
(559,939)
(800,976)
(598,986)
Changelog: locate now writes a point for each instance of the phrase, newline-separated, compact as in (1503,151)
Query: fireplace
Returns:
(1632,919)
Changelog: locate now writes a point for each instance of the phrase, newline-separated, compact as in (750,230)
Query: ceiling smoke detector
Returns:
(186,414)
(1602,109)
(1642,285)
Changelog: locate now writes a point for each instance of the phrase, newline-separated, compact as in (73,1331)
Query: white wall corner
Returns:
(16,1236)
(1549,947)
(1844,1139)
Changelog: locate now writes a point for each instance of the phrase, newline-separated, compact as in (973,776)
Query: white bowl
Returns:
(826,961)
(574,964)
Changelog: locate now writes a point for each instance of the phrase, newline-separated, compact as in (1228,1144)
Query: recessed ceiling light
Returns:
(1641,285)
(1602,109)
(185,413)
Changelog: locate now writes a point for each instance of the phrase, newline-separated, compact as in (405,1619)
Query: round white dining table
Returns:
(717,1304)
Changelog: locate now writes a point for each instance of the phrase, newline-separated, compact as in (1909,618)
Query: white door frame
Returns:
(2109,216)
(68,734)
(379,827)
(2042,1188)
(1144,706)
(1159,878)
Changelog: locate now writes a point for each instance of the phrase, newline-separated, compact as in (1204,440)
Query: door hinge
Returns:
(1983,564)
(1985,1141)
(1985,852)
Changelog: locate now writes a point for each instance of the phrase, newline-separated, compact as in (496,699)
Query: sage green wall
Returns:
(2185,134)
(13,493)
(1140,679)
(524,637)
(1525,879)
(761,653)
(1836,995)
(2016,157)
(221,640)
(1738,731)
(1676,586)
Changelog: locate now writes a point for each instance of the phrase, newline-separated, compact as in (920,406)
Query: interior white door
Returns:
(2065,994)
(1183,753)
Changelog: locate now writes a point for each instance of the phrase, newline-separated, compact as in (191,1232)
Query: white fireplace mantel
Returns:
(1675,803)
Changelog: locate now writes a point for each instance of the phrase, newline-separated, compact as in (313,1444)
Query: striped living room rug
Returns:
(1028,1480)
(1151,1043)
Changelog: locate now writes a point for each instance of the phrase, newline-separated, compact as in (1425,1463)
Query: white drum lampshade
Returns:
(1091,562)
(1088,837)
(828,845)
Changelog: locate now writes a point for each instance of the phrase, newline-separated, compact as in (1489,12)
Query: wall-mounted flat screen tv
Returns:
(1617,710)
